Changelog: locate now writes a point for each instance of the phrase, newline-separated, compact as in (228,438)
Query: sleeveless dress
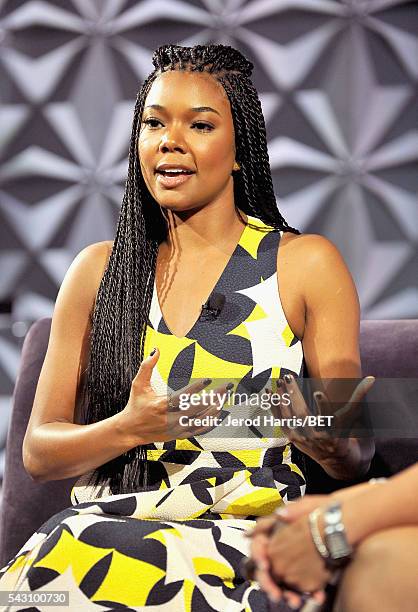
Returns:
(179,544)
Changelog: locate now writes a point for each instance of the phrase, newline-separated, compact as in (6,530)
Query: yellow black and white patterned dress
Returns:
(179,544)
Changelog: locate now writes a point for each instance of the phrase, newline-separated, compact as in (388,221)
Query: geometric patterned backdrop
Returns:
(338,84)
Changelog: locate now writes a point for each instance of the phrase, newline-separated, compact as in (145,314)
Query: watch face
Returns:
(338,546)
(333,518)
(333,515)
(336,541)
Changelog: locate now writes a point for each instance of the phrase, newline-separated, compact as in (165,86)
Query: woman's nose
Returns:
(169,144)
(171,140)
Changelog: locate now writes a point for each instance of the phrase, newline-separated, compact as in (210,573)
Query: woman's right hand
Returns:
(149,417)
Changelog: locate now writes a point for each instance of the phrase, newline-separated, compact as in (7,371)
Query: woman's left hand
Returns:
(319,444)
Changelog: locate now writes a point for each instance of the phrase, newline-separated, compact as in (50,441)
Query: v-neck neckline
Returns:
(231,257)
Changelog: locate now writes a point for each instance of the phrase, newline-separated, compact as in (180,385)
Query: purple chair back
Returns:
(26,504)
(389,349)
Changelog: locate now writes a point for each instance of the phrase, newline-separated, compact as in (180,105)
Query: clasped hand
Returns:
(286,561)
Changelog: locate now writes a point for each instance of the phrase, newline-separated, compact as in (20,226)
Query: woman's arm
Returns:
(62,450)
(331,342)
(54,446)
(289,553)
(376,507)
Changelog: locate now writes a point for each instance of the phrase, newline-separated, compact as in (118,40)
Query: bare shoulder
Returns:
(96,253)
(81,282)
(316,268)
(91,262)
(310,255)
(309,248)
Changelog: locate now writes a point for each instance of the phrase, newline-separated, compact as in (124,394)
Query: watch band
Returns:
(316,534)
(339,549)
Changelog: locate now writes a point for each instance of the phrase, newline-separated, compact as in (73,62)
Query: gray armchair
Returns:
(387,349)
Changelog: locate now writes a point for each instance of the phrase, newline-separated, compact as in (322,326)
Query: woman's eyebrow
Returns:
(196,109)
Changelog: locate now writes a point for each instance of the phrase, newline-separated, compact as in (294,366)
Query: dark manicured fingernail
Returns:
(287,378)
(229,386)
(279,383)
(152,352)
(207,381)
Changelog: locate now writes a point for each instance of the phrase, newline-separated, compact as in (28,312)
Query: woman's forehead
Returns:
(176,87)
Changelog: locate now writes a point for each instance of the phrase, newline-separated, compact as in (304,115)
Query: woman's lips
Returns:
(172,181)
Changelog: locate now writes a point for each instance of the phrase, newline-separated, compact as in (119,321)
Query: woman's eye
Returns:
(200,125)
(203,126)
(150,121)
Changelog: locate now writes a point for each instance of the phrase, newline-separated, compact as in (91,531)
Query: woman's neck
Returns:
(202,230)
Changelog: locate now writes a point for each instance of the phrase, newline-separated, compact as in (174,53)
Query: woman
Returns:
(156,501)
(381,526)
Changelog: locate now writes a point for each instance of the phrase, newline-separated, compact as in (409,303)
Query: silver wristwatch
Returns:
(335,539)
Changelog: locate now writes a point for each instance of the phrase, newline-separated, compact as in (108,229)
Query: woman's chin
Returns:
(180,207)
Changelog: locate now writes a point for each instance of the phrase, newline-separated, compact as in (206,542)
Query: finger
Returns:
(285,407)
(293,599)
(204,411)
(362,388)
(262,562)
(298,404)
(294,412)
(292,512)
(196,422)
(195,387)
(187,391)
(258,550)
(194,403)
(321,401)
(143,376)
(264,525)
(319,597)
(203,417)
(267,584)
(351,408)
(220,395)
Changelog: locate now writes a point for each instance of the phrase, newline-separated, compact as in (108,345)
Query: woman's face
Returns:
(179,129)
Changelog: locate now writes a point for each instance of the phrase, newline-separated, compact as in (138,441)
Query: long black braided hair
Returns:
(123,300)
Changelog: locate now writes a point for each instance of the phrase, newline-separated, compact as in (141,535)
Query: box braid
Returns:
(121,311)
